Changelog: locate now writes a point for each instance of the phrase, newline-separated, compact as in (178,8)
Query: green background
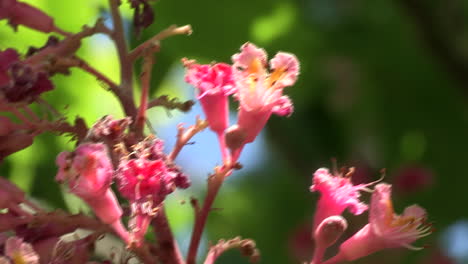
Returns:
(383,84)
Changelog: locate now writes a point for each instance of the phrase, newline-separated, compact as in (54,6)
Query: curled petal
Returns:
(283,107)
(248,56)
(211,79)
(285,69)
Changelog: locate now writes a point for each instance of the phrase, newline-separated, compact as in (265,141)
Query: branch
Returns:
(171,104)
(215,182)
(145,78)
(153,43)
(126,67)
(184,136)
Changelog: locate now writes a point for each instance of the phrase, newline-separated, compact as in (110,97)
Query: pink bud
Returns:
(329,230)
(88,172)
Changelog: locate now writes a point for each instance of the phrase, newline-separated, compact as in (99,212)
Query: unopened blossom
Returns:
(326,234)
(19,252)
(19,13)
(337,193)
(20,82)
(385,228)
(88,173)
(259,91)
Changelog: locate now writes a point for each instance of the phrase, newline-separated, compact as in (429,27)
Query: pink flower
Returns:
(145,180)
(260,92)
(20,252)
(337,193)
(386,229)
(142,178)
(19,13)
(88,172)
(214,83)
(145,183)
(18,81)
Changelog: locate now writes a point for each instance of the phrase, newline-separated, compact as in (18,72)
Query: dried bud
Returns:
(18,81)
(107,128)
(329,230)
(143,15)
(52,41)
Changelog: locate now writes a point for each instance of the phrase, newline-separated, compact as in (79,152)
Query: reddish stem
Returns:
(214,184)
(318,255)
(145,78)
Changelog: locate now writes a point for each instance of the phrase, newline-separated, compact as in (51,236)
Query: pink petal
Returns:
(249,52)
(288,64)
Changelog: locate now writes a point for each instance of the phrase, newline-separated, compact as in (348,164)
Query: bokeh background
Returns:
(383,84)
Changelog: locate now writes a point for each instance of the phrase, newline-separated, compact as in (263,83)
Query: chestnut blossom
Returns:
(260,92)
(386,229)
(19,82)
(214,84)
(337,193)
(145,183)
(88,172)
(145,180)
(19,252)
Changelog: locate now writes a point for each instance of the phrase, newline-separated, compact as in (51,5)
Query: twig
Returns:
(145,78)
(215,182)
(171,104)
(246,247)
(154,41)
(91,70)
(184,136)
(126,68)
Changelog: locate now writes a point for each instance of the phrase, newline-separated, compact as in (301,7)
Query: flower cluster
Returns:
(145,178)
(384,230)
(123,173)
(259,92)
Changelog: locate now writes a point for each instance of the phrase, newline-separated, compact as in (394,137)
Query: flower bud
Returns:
(235,137)
(329,230)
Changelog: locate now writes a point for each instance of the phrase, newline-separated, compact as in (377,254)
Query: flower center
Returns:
(18,258)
